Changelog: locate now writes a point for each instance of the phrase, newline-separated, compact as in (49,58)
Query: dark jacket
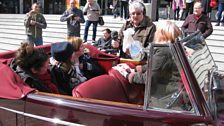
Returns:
(35,30)
(203,24)
(68,80)
(104,44)
(164,70)
(143,33)
(73,26)
(30,79)
(90,67)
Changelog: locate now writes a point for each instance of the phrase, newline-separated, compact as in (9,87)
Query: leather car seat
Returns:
(103,87)
(134,93)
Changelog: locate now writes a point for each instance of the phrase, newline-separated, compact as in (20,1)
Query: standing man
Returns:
(124,8)
(189,7)
(34,23)
(143,26)
(198,22)
(74,17)
(219,13)
(92,9)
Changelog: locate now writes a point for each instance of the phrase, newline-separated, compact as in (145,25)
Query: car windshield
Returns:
(167,90)
(200,60)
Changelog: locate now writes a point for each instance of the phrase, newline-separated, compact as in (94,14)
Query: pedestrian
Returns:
(219,13)
(198,22)
(206,7)
(93,11)
(74,17)
(142,25)
(177,6)
(189,7)
(32,65)
(34,23)
(116,8)
(124,9)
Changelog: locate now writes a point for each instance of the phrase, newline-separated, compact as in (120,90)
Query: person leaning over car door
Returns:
(74,17)
(32,65)
(83,62)
(34,23)
(62,67)
(163,67)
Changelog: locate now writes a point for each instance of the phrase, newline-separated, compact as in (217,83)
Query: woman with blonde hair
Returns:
(163,65)
(83,62)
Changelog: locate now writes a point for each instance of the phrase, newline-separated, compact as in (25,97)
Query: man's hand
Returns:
(77,18)
(32,22)
(70,16)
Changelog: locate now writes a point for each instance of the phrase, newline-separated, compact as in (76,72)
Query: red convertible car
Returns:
(196,99)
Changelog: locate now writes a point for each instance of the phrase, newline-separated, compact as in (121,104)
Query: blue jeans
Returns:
(220,10)
(37,41)
(87,25)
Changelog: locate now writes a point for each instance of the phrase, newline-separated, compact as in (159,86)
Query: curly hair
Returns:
(28,57)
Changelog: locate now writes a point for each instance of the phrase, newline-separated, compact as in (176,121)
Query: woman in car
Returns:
(83,62)
(164,69)
(32,65)
(62,67)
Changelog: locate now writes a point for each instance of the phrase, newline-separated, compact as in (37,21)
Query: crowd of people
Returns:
(68,66)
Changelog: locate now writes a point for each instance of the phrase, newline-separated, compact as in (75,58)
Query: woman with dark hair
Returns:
(32,65)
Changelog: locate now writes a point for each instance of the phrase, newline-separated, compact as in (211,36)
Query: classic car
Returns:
(196,98)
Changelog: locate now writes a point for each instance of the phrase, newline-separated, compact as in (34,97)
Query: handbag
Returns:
(101,21)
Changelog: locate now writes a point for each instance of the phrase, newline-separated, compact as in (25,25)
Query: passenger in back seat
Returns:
(32,65)
(62,67)
(83,61)
(164,69)
(72,65)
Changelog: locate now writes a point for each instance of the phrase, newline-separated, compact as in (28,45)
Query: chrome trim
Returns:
(53,120)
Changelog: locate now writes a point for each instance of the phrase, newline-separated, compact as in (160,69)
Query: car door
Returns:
(11,112)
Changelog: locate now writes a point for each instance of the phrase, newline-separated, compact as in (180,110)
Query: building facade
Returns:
(48,6)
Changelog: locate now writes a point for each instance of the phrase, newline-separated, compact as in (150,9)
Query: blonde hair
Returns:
(166,32)
(76,42)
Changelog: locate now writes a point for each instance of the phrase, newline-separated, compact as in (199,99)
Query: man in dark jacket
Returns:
(74,17)
(198,22)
